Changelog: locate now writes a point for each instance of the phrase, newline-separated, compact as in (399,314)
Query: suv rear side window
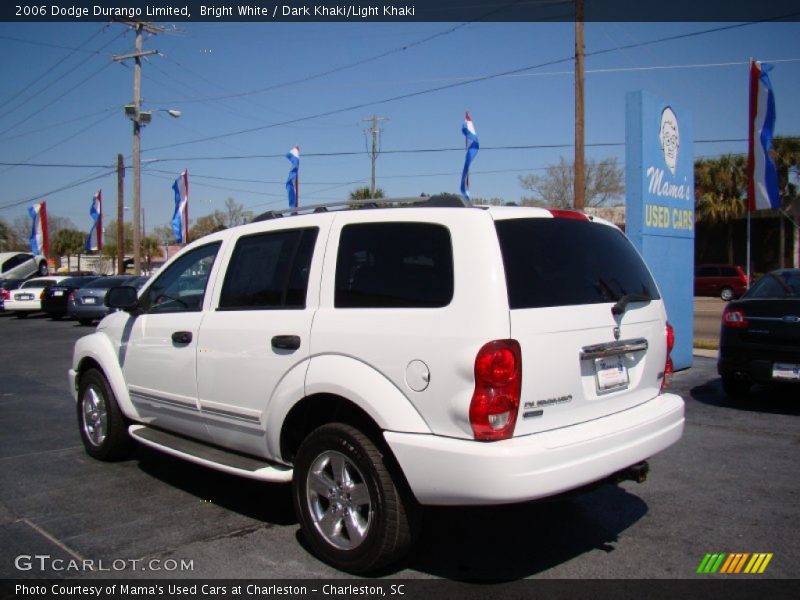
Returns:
(269,270)
(564,262)
(391,265)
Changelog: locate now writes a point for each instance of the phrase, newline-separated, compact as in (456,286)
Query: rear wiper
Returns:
(622,303)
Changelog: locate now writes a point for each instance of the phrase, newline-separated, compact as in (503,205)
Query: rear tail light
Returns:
(6,295)
(498,385)
(669,333)
(734,318)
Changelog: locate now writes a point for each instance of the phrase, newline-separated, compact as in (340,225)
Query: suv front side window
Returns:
(269,271)
(182,286)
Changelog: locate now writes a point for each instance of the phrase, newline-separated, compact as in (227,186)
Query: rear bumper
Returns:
(754,363)
(449,471)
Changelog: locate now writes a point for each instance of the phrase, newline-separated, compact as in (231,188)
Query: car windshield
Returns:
(105,283)
(38,283)
(778,284)
(74,281)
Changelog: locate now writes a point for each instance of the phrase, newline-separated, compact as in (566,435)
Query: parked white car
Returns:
(27,298)
(384,358)
(21,265)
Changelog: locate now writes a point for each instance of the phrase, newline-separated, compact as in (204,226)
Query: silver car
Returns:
(87,304)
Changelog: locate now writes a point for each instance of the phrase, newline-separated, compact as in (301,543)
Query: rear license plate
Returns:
(786,371)
(611,374)
(59,293)
(90,300)
(24,296)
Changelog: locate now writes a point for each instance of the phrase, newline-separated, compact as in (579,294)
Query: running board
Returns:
(210,456)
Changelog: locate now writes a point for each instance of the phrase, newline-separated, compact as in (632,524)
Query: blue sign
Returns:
(659,207)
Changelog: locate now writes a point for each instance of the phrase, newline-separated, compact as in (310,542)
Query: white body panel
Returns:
(459,472)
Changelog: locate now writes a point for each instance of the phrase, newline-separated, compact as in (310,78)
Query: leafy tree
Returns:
(604,183)
(67,242)
(9,241)
(365,193)
(720,190)
(235,214)
(207,224)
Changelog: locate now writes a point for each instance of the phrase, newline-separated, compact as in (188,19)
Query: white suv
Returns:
(386,358)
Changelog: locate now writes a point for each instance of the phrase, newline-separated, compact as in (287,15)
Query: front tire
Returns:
(43,269)
(726,294)
(352,513)
(103,429)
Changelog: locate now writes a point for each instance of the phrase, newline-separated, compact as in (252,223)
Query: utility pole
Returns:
(139,119)
(580,170)
(375,130)
(120,215)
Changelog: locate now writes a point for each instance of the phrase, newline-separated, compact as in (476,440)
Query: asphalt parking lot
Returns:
(730,485)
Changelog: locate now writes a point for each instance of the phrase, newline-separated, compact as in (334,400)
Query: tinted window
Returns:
(728,272)
(269,270)
(383,265)
(563,262)
(38,283)
(782,284)
(182,286)
(705,272)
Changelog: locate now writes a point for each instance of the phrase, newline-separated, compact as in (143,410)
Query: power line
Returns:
(63,188)
(455,85)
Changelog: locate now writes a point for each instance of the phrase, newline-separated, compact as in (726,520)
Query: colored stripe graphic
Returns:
(734,563)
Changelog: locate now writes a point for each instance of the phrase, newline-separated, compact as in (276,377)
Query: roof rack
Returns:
(421,201)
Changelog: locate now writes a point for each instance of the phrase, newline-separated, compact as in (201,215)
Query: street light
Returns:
(140,118)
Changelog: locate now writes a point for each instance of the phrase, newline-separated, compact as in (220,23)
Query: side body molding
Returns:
(351,379)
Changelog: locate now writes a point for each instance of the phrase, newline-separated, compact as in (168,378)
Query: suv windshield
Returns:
(563,262)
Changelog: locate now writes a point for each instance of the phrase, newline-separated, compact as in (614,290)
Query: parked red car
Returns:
(726,281)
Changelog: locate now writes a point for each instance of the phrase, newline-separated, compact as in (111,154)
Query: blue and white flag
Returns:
(180,218)
(94,241)
(762,186)
(38,212)
(468,129)
(293,182)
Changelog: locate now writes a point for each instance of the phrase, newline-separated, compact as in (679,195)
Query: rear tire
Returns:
(21,314)
(727,294)
(85,322)
(352,513)
(735,388)
(103,429)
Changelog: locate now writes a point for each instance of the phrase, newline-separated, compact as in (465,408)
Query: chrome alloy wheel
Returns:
(95,416)
(339,500)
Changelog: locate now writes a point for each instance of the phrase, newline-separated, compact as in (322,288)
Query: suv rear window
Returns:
(389,265)
(564,262)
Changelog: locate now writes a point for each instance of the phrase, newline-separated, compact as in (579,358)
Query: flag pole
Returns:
(749,212)
(750,142)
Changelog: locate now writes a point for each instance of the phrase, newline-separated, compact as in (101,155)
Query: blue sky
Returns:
(65,107)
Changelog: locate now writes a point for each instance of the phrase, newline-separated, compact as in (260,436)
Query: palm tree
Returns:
(720,190)
(68,242)
(786,154)
(364,193)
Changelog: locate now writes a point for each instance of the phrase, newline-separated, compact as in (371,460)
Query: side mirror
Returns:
(124,297)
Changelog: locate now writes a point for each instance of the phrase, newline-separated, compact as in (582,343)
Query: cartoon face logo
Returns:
(670,139)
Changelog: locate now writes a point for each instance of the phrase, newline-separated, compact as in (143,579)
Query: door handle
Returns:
(286,342)
(182,337)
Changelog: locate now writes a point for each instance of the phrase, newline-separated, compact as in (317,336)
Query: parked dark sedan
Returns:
(760,336)
(87,304)
(54,298)
(6,285)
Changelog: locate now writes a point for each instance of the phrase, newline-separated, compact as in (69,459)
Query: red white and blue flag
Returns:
(38,213)
(180,218)
(94,241)
(761,172)
(468,129)
(293,182)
